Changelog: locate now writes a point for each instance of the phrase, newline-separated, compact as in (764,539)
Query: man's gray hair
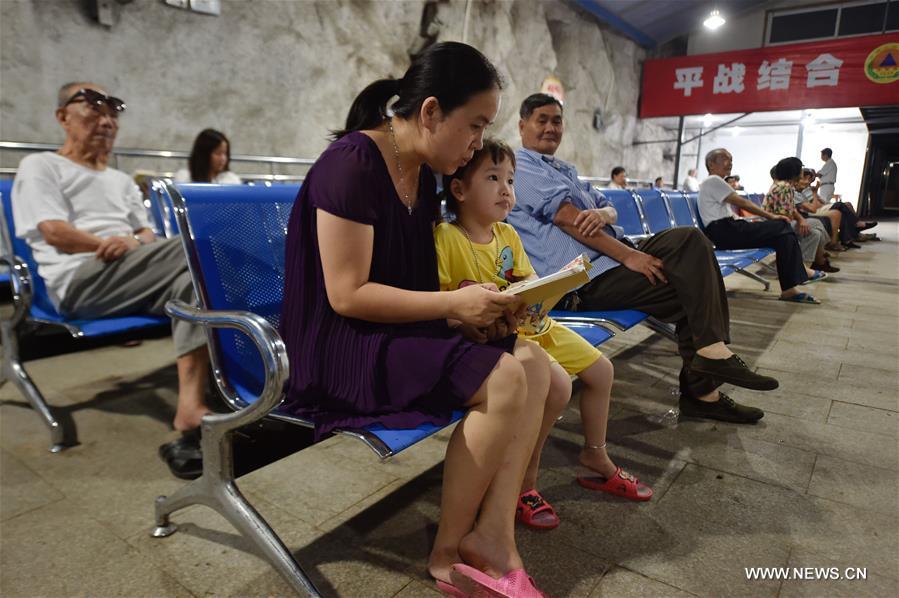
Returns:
(66,91)
(713,155)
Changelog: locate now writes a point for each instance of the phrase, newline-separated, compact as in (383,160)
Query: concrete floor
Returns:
(813,484)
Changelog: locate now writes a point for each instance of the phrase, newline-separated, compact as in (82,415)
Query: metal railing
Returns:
(272,161)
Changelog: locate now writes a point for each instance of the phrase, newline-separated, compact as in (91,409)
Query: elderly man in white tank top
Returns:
(88,229)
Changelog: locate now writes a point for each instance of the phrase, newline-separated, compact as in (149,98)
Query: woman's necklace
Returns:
(399,166)
(474,254)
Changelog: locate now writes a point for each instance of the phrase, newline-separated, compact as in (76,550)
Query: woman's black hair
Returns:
(452,72)
(204,145)
(787,169)
(617,170)
(496,149)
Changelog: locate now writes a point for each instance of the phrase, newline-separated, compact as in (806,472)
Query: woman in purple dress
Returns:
(370,337)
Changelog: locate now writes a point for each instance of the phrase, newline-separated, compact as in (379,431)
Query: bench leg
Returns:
(754,277)
(217,490)
(14,371)
(771,269)
(663,328)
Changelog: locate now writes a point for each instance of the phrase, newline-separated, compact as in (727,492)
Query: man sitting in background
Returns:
(691,183)
(673,276)
(88,229)
(716,202)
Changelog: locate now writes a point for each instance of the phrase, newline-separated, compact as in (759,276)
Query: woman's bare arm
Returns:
(346,252)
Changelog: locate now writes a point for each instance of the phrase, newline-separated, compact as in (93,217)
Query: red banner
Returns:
(858,71)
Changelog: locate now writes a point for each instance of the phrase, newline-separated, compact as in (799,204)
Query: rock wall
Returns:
(276,75)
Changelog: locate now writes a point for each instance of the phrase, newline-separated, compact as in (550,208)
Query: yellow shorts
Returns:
(567,348)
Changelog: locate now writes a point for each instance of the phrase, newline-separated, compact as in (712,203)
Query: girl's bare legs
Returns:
(489,448)
(595,398)
(559,395)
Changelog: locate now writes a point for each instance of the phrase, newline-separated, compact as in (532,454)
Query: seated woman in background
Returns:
(209,161)
(812,234)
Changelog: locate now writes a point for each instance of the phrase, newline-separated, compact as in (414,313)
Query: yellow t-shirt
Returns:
(502,261)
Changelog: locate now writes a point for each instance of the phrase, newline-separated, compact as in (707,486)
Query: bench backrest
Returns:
(693,199)
(235,238)
(160,207)
(655,210)
(680,209)
(40,299)
(629,216)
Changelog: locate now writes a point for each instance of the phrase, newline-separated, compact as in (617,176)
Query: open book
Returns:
(542,294)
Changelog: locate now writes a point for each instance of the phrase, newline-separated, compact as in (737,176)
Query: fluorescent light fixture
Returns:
(714,20)
(708,119)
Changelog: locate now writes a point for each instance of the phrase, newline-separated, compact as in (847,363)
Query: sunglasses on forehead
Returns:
(95,100)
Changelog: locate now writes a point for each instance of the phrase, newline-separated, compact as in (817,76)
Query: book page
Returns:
(542,294)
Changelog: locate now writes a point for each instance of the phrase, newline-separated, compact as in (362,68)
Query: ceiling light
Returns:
(714,20)
(707,120)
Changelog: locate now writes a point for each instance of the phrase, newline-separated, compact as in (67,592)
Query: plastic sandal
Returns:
(449,589)
(817,276)
(801,298)
(620,484)
(530,506)
(183,456)
(514,584)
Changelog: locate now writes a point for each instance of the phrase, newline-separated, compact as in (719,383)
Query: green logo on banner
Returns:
(882,65)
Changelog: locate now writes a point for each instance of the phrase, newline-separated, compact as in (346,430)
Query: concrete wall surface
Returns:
(276,75)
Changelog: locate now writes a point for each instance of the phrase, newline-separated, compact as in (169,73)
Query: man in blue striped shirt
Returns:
(673,275)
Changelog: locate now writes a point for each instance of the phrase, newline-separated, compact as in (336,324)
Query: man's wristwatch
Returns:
(139,239)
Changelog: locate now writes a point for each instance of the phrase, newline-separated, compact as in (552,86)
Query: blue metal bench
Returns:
(738,259)
(656,210)
(159,206)
(32,304)
(234,241)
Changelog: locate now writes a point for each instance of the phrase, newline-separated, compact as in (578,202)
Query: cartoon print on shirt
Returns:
(505,264)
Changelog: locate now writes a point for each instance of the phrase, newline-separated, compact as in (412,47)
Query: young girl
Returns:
(365,323)
(209,160)
(478,248)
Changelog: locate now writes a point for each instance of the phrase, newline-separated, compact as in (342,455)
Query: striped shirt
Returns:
(542,184)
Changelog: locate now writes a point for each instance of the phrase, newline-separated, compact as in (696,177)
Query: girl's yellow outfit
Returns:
(503,261)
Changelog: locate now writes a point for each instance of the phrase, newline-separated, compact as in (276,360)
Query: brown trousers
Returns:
(694,298)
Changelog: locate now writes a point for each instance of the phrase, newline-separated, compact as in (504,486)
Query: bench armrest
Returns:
(20,285)
(270,346)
